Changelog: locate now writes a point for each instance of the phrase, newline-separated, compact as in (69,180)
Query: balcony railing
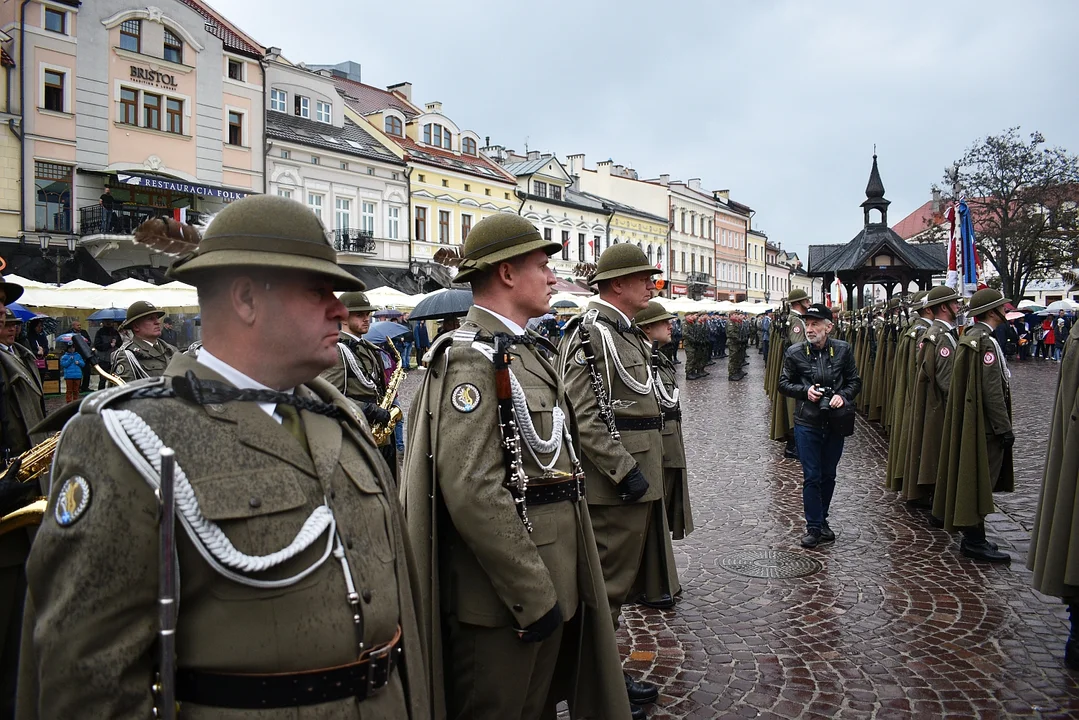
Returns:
(699,277)
(353,241)
(123,218)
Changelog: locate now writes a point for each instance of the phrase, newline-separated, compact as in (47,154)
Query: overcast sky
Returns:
(781,102)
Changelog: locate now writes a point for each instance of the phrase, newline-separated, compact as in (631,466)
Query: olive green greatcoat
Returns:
(23,398)
(659,574)
(737,335)
(928,403)
(620,528)
(783,407)
(973,462)
(89,639)
(1054,541)
(372,386)
(153,358)
(906,357)
(479,566)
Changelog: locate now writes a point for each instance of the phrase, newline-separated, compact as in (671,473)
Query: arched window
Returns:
(438,136)
(650,260)
(468,146)
(393,126)
(174,47)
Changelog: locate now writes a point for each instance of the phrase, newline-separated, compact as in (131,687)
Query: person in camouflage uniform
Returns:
(697,346)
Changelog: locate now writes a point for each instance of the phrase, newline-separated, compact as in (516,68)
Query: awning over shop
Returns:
(374,276)
(180,186)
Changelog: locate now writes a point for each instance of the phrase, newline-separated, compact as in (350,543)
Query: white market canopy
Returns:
(83,295)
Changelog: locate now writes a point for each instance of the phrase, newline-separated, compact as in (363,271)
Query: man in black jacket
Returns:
(821,375)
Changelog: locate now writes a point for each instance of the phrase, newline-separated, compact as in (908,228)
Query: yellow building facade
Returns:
(10,192)
(756,265)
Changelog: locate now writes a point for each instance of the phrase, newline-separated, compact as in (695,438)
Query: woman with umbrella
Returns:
(37,339)
(106,342)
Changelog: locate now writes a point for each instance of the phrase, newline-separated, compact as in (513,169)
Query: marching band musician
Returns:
(606,365)
(359,373)
(512,585)
(295,598)
(145,354)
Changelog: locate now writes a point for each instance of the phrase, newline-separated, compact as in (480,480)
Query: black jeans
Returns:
(819,450)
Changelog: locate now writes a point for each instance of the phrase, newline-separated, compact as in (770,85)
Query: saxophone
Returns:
(36,462)
(382,433)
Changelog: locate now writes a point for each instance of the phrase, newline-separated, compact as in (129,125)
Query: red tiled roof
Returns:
(916,222)
(5,59)
(229,35)
(367,99)
(472,164)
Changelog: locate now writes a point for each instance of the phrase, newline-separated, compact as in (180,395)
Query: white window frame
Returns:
(275,95)
(342,210)
(315,204)
(367,219)
(69,77)
(393,223)
(319,106)
(284,192)
(305,106)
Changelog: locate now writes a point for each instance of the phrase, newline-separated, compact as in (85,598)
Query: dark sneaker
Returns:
(826,534)
(983,552)
(812,538)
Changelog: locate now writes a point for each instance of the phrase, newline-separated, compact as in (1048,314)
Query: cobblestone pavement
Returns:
(897,624)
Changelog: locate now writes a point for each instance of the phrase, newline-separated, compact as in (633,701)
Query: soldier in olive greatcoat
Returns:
(512,587)
(145,354)
(294,572)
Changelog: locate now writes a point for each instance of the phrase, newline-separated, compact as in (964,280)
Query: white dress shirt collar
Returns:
(629,323)
(238,379)
(510,325)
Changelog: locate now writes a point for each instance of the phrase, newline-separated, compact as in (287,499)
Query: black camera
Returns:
(826,394)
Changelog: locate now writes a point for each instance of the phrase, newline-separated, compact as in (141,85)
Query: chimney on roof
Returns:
(272,53)
(721,194)
(936,201)
(665,179)
(404,89)
(533,154)
(434,107)
(576,163)
(603,167)
(695,184)
(632,174)
(487,141)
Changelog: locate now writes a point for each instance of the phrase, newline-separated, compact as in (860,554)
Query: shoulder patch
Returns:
(921,344)
(579,357)
(989,358)
(72,500)
(945,351)
(797,328)
(465,397)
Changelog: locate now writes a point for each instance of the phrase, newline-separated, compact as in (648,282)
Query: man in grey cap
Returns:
(145,354)
(606,364)
(294,569)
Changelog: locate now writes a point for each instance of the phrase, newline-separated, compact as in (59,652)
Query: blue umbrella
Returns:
(389,313)
(379,332)
(110,314)
(65,338)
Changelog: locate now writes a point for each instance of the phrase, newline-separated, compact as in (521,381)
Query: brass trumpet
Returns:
(36,462)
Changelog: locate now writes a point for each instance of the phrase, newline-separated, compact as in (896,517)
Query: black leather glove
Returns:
(375,415)
(633,486)
(14,495)
(1007,440)
(542,628)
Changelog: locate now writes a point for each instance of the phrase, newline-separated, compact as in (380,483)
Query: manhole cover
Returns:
(770,564)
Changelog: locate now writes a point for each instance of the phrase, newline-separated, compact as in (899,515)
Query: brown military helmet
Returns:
(265,231)
(797,295)
(652,314)
(940,295)
(357,302)
(985,300)
(498,238)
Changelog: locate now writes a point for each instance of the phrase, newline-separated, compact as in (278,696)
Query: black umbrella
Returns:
(443,304)
(112,313)
(565,304)
(388,313)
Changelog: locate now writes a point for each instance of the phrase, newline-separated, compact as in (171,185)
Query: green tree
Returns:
(1023,197)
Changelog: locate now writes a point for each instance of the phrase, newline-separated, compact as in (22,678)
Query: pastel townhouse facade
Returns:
(158,108)
(640,208)
(452,185)
(548,199)
(356,183)
(732,228)
(777,275)
(756,266)
(692,217)
(10,195)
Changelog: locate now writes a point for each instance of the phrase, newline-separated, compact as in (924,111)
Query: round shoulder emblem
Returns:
(989,358)
(797,328)
(921,344)
(945,352)
(72,500)
(465,397)
(579,358)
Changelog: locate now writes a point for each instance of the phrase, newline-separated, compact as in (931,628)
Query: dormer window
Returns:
(303,106)
(393,126)
(468,146)
(437,136)
(539,188)
(324,111)
(174,47)
(278,100)
(556,192)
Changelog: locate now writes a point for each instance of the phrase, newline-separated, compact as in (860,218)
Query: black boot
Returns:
(1071,648)
(974,546)
(636,712)
(791,451)
(640,692)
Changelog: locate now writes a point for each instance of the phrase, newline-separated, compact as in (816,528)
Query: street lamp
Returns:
(45,240)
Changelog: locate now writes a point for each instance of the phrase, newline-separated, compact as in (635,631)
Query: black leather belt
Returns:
(359,680)
(647,423)
(547,493)
(672,415)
